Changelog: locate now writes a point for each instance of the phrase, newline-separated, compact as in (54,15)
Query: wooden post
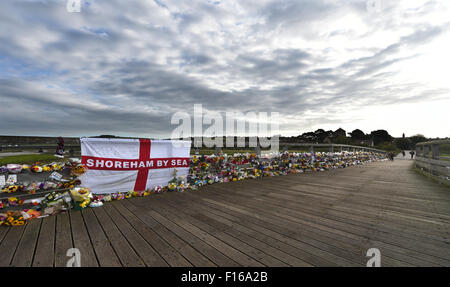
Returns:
(311,149)
(285,149)
(435,151)
(331,148)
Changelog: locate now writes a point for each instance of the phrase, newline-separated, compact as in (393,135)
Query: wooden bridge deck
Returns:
(313,219)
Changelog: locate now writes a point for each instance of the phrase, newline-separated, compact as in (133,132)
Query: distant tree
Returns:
(342,140)
(357,134)
(319,131)
(320,135)
(415,139)
(329,135)
(380,136)
(339,133)
(403,143)
(309,137)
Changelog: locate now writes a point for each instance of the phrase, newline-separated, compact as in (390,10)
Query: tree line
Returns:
(377,138)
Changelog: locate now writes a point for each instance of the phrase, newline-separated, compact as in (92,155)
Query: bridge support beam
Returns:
(425,151)
(435,151)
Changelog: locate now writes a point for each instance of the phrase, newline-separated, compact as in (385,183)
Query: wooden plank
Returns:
(283,203)
(243,247)
(237,256)
(272,238)
(328,246)
(192,255)
(377,224)
(124,251)
(290,196)
(299,219)
(102,247)
(81,240)
(297,207)
(330,193)
(380,216)
(211,253)
(231,220)
(374,219)
(3,231)
(45,248)
(344,253)
(170,254)
(199,218)
(63,239)
(302,193)
(25,250)
(9,244)
(235,219)
(145,251)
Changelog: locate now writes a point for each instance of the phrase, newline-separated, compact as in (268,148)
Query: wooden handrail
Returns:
(443,141)
(423,148)
(66,147)
(433,163)
(332,146)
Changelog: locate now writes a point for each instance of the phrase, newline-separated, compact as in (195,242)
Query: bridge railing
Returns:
(434,157)
(72,148)
(331,147)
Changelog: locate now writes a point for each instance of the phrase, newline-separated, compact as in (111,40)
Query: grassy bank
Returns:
(29,159)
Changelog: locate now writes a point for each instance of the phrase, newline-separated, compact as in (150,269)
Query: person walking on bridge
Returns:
(391,156)
(403,153)
(412,154)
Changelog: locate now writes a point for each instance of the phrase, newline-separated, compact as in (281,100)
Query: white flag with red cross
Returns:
(121,165)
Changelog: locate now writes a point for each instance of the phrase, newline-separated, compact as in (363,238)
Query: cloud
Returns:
(125,67)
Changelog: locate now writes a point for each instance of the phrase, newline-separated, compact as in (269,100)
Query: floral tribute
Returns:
(61,191)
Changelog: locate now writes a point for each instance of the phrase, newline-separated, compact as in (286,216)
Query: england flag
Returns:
(121,165)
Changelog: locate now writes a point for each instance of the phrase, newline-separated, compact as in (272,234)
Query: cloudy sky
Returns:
(125,67)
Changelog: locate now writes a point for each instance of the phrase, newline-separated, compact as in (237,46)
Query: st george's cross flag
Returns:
(121,165)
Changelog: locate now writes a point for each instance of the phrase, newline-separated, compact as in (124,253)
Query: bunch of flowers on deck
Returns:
(204,170)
